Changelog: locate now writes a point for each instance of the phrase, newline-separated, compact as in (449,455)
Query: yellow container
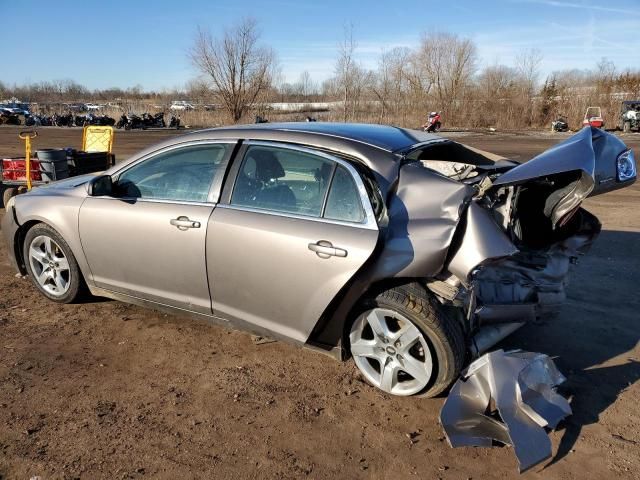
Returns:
(97,139)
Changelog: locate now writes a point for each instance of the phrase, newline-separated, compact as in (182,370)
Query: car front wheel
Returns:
(51,265)
(404,344)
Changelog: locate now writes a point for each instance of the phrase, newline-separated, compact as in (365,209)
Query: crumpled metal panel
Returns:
(542,275)
(423,212)
(483,239)
(507,397)
(591,150)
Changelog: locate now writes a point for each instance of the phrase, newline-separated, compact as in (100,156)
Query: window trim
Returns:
(215,189)
(369,221)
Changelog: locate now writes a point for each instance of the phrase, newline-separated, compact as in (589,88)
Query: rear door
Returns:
(148,239)
(294,229)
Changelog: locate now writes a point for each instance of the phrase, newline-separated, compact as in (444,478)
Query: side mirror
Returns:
(100,186)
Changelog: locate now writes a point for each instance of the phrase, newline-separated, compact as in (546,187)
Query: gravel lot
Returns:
(107,390)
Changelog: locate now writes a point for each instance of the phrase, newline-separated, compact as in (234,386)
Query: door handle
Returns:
(183,223)
(325,249)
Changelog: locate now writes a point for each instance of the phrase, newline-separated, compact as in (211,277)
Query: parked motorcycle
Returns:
(433,123)
(46,121)
(64,120)
(153,121)
(32,120)
(174,122)
(130,121)
(9,118)
(90,119)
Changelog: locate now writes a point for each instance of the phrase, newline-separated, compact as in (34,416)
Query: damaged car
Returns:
(408,252)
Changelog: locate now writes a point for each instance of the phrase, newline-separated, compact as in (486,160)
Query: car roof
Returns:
(384,137)
(374,146)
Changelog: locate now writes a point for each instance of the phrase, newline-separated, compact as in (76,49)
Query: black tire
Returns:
(8,193)
(443,334)
(77,287)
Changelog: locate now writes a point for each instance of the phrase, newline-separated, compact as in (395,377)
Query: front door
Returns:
(148,239)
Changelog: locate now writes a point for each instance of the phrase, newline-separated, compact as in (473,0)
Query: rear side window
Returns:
(282,180)
(344,201)
(288,180)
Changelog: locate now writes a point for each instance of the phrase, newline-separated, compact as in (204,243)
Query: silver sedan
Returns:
(409,252)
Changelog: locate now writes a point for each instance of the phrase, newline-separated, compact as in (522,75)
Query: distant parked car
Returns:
(407,251)
(92,107)
(15,108)
(560,124)
(181,105)
(77,107)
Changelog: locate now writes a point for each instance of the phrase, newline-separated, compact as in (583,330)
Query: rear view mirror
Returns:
(100,186)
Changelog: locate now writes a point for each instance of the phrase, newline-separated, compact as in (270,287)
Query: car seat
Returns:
(272,194)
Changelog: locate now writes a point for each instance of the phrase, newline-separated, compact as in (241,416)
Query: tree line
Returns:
(240,74)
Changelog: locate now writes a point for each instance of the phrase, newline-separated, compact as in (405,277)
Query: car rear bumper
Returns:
(9,229)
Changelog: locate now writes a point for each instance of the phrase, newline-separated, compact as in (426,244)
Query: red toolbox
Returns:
(14,169)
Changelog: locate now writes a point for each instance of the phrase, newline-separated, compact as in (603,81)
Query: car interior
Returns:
(283,181)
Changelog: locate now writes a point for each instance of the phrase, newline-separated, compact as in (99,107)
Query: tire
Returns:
(8,194)
(626,127)
(443,335)
(58,251)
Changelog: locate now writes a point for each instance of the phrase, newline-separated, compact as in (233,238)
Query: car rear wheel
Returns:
(404,344)
(51,265)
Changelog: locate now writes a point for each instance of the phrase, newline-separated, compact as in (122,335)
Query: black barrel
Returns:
(53,164)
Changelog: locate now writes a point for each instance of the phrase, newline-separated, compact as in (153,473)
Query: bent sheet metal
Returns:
(520,388)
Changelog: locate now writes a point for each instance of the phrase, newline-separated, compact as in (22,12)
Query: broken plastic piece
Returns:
(510,398)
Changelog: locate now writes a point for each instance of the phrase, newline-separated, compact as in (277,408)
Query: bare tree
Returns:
(345,68)
(352,80)
(528,68)
(198,90)
(446,63)
(496,90)
(392,85)
(306,86)
(239,68)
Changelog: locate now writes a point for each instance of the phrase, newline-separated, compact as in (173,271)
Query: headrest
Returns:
(267,165)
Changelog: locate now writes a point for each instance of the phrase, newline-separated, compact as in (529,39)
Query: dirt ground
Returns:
(107,390)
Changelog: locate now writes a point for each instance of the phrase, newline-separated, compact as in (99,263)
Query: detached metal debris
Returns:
(509,397)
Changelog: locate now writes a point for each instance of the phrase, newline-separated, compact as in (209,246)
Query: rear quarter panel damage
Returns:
(423,211)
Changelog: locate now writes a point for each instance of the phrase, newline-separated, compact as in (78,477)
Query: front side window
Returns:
(282,180)
(182,174)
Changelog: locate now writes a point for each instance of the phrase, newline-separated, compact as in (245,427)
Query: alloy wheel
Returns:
(49,265)
(391,352)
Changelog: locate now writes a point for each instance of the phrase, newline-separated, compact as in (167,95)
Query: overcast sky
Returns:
(123,43)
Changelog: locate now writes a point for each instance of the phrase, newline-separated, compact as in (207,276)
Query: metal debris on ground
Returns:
(509,397)
(259,340)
